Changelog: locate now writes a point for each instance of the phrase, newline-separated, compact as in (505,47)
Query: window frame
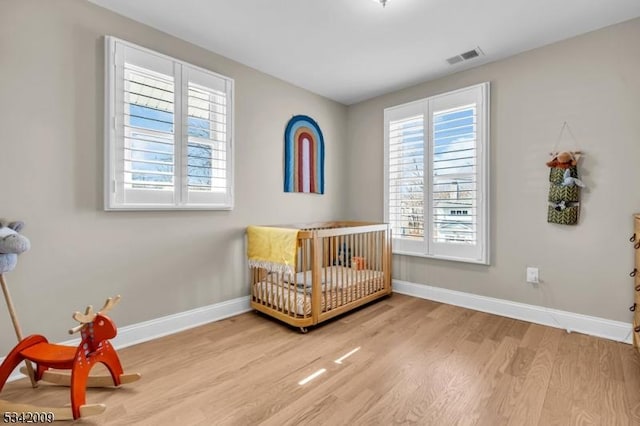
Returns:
(182,198)
(426,247)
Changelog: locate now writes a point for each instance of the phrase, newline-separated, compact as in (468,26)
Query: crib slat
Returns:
(345,270)
(374,253)
(327,273)
(357,253)
(374,260)
(353,271)
(386,253)
(370,256)
(364,273)
(366,254)
(343,245)
(316,295)
(375,242)
(375,265)
(305,268)
(358,274)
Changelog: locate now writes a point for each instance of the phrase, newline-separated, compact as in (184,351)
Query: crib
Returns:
(339,266)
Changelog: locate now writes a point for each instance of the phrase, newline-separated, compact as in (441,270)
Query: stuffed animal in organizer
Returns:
(559,206)
(12,243)
(568,180)
(564,160)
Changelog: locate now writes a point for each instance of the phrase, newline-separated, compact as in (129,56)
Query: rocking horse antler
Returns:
(85,318)
(89,316)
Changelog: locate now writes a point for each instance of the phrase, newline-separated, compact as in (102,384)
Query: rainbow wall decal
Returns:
(303,156)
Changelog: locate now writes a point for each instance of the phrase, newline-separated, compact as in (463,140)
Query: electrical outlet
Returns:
(532,275)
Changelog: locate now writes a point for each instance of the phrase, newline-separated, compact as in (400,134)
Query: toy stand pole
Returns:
(16,326)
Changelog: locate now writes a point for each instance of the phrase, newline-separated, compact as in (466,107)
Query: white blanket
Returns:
(340,285)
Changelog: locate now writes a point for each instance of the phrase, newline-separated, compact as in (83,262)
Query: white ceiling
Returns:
(351,50)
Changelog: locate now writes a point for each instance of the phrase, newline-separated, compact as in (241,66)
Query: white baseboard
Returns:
(153,329)
(594,326)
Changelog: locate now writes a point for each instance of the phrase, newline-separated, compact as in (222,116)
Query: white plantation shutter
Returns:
(147,125)
(454,215)
(405,175)
(208,155)
(168,132)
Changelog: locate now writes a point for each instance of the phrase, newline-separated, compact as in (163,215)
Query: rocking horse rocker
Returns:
(95,329)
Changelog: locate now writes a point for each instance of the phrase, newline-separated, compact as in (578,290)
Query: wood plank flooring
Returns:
(417,362)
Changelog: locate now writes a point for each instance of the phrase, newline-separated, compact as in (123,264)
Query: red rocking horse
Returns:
(95,330)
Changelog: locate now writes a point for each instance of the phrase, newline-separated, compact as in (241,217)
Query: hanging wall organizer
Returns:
(564,184)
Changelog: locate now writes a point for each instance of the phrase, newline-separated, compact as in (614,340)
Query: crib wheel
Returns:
(304,330)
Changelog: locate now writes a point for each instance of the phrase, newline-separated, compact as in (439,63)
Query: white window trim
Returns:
(483,155)
(110,145)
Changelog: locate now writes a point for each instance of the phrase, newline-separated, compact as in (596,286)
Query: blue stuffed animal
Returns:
(11,244)
(568,180)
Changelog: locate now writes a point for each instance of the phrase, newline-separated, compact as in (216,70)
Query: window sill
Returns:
(436,257)
(129,208)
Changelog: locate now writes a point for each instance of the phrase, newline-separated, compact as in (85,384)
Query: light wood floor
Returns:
(418,362)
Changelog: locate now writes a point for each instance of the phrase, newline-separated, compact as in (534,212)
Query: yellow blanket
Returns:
(271,248)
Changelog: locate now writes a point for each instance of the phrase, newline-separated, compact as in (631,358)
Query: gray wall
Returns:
(590,81)
(51,116)
(51,166)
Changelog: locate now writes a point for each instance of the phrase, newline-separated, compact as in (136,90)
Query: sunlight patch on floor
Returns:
(312,376)
(347,355)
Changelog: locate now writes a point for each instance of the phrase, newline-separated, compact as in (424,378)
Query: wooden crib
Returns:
(339,266)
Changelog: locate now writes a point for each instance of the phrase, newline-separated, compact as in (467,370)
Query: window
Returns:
(436,175)
(168,132)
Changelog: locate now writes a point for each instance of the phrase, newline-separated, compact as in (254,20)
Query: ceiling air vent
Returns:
(455,59)
(465,56)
